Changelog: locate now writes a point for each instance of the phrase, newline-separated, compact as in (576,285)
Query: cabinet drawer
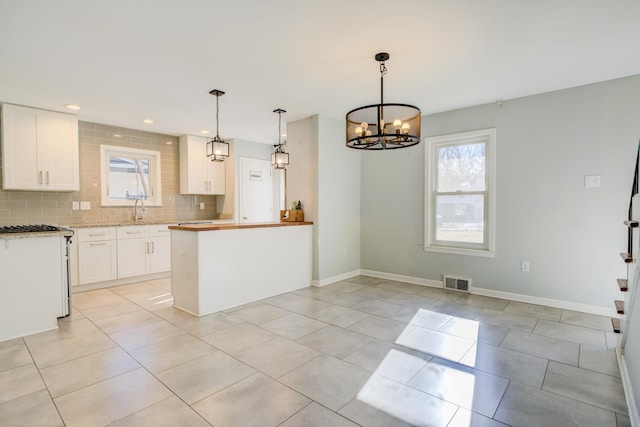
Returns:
(160,230)
(96,234)
(132,232)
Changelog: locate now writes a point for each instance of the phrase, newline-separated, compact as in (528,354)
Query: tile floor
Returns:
(364,351)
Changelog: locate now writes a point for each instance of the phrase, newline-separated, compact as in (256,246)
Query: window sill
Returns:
(460,251)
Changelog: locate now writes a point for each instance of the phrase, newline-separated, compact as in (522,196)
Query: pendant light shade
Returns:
(280,158)
(217,149)
(383,126)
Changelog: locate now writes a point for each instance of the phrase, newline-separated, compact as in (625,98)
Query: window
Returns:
(460,193)
(129,174)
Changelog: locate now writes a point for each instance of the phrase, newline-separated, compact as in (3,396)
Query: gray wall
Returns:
(546,144)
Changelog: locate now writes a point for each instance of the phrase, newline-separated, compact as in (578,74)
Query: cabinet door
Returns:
(19,148)
(216,177)
(160,254)
(133,257)
(193,173)
(97,261)
(58,152)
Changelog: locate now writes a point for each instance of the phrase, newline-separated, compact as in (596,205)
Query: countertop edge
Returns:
(236,226)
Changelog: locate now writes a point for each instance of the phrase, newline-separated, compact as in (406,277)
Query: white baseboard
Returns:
(628,389)
(337,278)
(566,305)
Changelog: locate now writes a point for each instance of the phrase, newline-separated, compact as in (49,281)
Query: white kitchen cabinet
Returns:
(143,249)
(39,150)
(97,259)
(198,174)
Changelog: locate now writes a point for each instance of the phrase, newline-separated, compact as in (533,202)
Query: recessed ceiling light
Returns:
(72,106)
(204,131)
(147,121)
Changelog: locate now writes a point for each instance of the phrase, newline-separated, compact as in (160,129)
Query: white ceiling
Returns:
(126,60)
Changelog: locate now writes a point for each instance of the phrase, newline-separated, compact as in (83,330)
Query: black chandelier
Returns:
(383,126)
(217,149)
(280,158)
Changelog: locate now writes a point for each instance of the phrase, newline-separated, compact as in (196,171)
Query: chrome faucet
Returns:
(137,216)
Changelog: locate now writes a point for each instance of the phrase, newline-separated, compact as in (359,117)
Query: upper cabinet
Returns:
(39,150)
(198,174)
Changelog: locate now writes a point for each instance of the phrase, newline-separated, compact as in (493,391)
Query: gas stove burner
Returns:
(38,228)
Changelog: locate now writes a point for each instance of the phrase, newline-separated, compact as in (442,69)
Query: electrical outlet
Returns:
(85,206)
(592,181)
(75,206)
(525,267)
(201,205)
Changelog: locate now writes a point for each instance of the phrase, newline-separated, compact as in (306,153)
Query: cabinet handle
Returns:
(134,232)
(47,177)
(153,247)
(40,178)
(98,244)
(97,234)
(146,244)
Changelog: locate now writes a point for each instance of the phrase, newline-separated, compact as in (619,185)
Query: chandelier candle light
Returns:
(383,126)
(217,149)
(280,158)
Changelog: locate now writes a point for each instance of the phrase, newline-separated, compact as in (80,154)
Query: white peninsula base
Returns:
(216,267)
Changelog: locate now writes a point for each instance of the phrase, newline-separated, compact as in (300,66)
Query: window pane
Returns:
(128,178)
(461,167)
(460,218)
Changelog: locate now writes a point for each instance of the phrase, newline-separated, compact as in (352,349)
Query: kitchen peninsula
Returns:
(219,266)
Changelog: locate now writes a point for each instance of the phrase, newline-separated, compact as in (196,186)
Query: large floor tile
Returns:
(539,345)
(20,381)
(375,292)
(586,320)
(260,313)
(406,403)
(335,341)
(305,305)
(281,299)
(169,412)
(255,401)
(92,299)
(466,418)
(345,286)
(467,387)
(63,350)
(66,330)
(293,326)
(623,420)
(523,405)
(278,356)
(378,307)
(379,327)
(510,364)
(134,319)
(110,310)
(400,366)
(327,380)
(474,330)
(578,334)
(172,314)
(171,352)
(75,374)
(454,309)
(365,414)
(338,316)
(201,377)
(428,319)
(586,386)
(533,310)
(317,416)
(507,320)
(110,400)
(207,325)
(13,353)
(343,299)
(409,300)
(371,355)
(150,333)
(599,360)
(239,338)
(435,343)
(32,410)
(483,301)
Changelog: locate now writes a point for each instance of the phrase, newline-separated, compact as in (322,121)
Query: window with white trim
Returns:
(460,193)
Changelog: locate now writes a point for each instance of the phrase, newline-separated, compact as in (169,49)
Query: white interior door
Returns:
(256,198)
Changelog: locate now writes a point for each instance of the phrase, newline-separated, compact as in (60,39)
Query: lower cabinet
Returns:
(110,253)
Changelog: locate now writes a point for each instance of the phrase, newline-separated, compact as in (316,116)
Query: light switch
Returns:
(75,206)
(85,206)
(592,181)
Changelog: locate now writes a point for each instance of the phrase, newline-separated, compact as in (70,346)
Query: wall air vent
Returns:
(457,283)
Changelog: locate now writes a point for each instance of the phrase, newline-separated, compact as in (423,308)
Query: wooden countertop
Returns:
(235,226)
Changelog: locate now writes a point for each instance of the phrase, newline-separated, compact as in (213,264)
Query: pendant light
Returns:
(280,158)
(217,149)
(383,126)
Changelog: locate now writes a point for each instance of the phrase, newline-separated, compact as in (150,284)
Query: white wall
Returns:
(546,144)
(325,176)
